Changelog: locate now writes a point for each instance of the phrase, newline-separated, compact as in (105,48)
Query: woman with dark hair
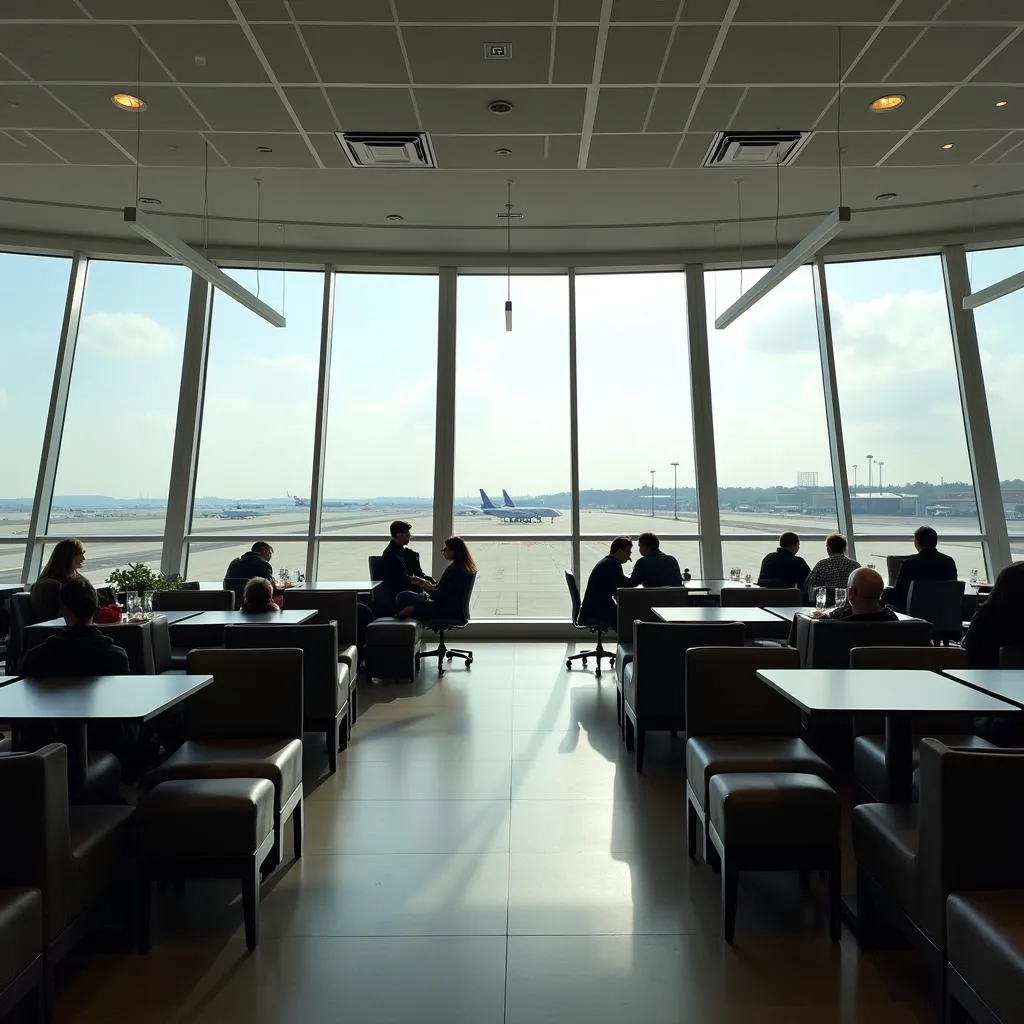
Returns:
(446,598)
(64,564)
(258,596)
(999,622)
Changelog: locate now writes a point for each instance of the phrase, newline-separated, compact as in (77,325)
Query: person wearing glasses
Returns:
(446,598)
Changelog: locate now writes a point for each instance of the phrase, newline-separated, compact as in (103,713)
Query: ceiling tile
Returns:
(1012,153)
(8,71)
(672,107)
(634,53)
(715,109)
(918,10)
(861,149)
(563,150)
(374,109)
(643,10)
(330,151)
(89,52)
(924,149)
(982,10)
(974,106)
(498,11)
(579,10)
(795,53)
(691,48)
(781,108)
(18,148)
(229,57)
(478,152)
(535,112)
(826,11)
(43,10)
(242,110)
(361,53)
(283,49)
(632,150)
(857,114)
(691,152)
(704,10)
(342,10)
(240,150)
(622,110)
(29,106)
(455,55)
(311,108)
(1004,67)
(885,50)
(263,10)
(166,108)
(180,10)
(575,49)
(170,149)
(83,147)
(948,53)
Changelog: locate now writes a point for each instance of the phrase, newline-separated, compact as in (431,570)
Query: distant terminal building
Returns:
(883,503)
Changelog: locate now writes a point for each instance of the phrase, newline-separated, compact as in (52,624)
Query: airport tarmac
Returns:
(521,577)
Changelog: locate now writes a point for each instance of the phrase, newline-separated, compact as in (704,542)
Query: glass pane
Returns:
(347,560)
(1002,358)
(746,555)
(521,579)
(33,291)
(512,407)
(902,420)
(259,410)
(592,550)
(12,558)
(208,560)
(382,400)
(624,436)
(771,436)
(101,557)
(115,456)
(966,553)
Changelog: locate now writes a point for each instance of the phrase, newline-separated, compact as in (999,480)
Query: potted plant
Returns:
(140,578)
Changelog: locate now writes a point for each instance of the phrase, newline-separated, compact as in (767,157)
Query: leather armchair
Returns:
(826,643)
(21,945)
(135,638)
(1011,657)
(22,615)
(75,856)
(334,606)
(325,680)
(635,603)
(654,685)
(193,601)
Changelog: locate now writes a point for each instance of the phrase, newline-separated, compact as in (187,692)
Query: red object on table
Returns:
(108,614)
(279,600)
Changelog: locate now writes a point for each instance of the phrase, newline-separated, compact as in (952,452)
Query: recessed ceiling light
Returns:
(886,103)
(948,145)
(394,218)
(500,106)
(264,149)
(1001,103)
(885,197)
(13,103)
(503,151)
(149,201)
(172,148)
(126,101)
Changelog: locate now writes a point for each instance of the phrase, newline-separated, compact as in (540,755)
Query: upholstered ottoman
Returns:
(206,828)
(391,646)
(774,821)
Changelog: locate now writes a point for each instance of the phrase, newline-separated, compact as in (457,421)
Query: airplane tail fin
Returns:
(509,503)
(486,502)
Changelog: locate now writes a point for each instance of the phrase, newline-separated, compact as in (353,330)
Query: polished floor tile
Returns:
(395,780)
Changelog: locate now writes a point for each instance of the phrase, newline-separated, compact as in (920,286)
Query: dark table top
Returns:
(1005,683)
(879,690)
(688,614)
(97,698)
(338,586)
(288,617)
(171,618)
(6,589)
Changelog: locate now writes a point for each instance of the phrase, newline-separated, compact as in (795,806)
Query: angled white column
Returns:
(980,447)
(187,430)
(836,445)
(52,436)
(323,394)
(574,432)
(444,426)
(708,518)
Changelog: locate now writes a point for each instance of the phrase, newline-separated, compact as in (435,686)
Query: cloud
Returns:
(131,335)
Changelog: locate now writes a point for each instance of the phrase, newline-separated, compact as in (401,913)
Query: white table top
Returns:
(1005,683)
(698,614)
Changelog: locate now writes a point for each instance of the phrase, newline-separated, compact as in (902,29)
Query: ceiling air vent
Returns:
(754,149)
(388,149)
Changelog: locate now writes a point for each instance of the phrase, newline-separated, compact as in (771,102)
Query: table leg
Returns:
(899,757)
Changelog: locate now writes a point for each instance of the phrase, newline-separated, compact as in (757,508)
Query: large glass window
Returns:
(33,291)
(102,557)
(902,419)
(1002,355)
(115,455)
(12,558)
(208,559)
(592,550)
(771,436)
(256,451)
(521,579)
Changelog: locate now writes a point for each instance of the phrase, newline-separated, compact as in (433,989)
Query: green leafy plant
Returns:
(140,578)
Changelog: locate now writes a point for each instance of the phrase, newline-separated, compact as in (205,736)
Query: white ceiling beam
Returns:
(181,251)
(1007,286)
(803,252)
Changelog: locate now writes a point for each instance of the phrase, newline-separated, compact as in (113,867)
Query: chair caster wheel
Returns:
(448,656)
(584,662)
(568,665)
(469,661)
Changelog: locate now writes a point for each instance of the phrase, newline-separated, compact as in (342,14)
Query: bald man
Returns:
(864,599)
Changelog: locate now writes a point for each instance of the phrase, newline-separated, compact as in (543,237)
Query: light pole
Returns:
(675,490)
(855,476)
(869,458)
(652,493)
(880,465)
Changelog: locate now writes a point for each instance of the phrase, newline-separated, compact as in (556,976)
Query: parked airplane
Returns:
(512,513)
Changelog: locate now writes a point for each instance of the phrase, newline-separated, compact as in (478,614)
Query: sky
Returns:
(897,380)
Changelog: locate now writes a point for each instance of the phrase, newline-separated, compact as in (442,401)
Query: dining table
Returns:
(170,616)
(1005,683)
(759,622)
(338,586)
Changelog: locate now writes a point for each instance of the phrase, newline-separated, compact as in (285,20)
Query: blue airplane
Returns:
(513,513)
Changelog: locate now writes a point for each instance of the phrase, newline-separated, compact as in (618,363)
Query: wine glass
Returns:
(821,598)
(974,577)
(840,596)
(131,603)
(147,604)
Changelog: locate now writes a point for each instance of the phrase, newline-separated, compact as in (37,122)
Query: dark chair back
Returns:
(761,597)
(383,596)
(939,602)
(1011,657)
(254,695)
(574,595)
(160,634)
(193,601)
(893,564)
(462,619)
(826,643)
(134,638)
(635,603)
(22,615)
(330,606)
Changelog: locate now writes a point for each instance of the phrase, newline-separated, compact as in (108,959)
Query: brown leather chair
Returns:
(654,685)
(193,601)
(246,724)
(135,638)
(21,946)
(826,643)
(1011,657)
(893,564)
(75,856)
(761,597)
(339,607)
(326,681)
(736,723)
(960,839)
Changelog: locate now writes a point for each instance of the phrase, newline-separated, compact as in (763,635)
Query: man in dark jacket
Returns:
(928,564)
(254,563)
(401,570)
(605,579)
(654,568)
(784,567)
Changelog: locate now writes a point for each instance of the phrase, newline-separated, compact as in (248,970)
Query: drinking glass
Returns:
(974,577)
(285,575)
(821,598)
(131,603)
(840,596)
(747,579)
(147,604)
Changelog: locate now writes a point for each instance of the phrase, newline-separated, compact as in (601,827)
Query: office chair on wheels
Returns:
(592,625)
(443,652)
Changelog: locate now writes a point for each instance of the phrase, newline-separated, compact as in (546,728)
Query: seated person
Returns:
(401,569)
(654,568)
(863,600)
(64,564)
(784,567)
(254,563)
(605,579)
(999,622)
(832,571)
(448,596)
(258,596)
(928,564)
